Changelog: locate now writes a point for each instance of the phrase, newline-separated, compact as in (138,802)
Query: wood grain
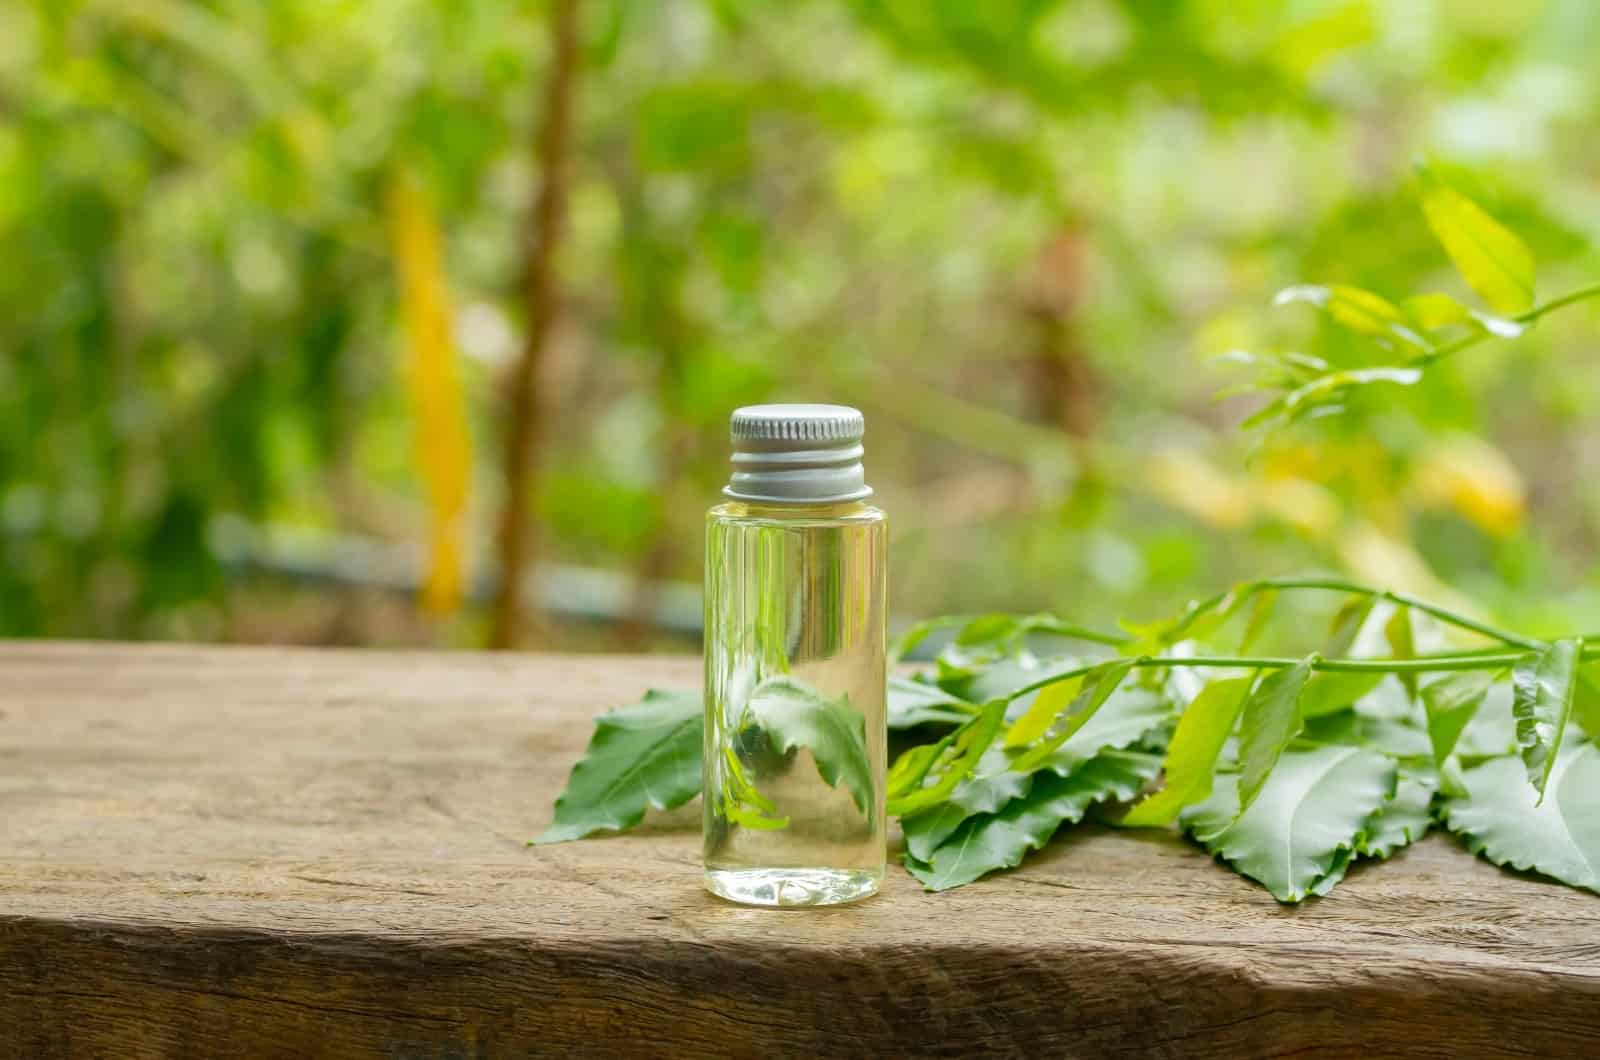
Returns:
(309,853)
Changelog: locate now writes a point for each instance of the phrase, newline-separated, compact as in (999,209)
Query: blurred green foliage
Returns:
(1014,233)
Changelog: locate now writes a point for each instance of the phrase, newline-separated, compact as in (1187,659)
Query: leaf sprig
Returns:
(1416,332)
(1287,768)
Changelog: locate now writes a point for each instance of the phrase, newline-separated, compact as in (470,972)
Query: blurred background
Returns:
(282,285)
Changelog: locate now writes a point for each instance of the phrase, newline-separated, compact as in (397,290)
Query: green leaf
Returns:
(991,786)
(1000,840)
(1329,691)
(1050,702)
(1405,818)
(1504,820)
(1129,716)
(1308,819)
(1260,615)
(643,756)
(1098,684)
(1402,644)
(1488,255)
(1586,702)
(1542,688)
(793,714)
(1436,310)
(1450,702)
(908,641)
(953,761)
(1324,392)
(1359,310)
(1192,756)
(1347,624)
(1271,719)
(912,703)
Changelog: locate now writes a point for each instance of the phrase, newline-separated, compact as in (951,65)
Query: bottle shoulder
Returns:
(849,513)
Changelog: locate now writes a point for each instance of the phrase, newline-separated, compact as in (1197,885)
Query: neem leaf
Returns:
(1309,816)
(1130,715)
(951,761)
(1543,684)
(991,786)
(913,703)
(1488,255)
(1504,820)
(643,756)
(1358,310)
(1586,702)
(1405,818)
(1450,702)
(1051,700)
(999,840)
(793,714)
(1192,756)
(1098,684)
(1330,691)
(1260,615)
(1271,719)
(1437,310)
(1402,642)
(1347,624)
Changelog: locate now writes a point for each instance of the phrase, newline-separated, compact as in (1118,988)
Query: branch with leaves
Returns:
(1418,331)
(1287,768)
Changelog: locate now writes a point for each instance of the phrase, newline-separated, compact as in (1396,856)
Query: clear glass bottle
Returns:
(795,642)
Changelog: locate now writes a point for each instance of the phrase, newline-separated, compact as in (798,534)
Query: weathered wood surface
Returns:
(300,853)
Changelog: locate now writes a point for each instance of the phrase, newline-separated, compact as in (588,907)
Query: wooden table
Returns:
(298,853)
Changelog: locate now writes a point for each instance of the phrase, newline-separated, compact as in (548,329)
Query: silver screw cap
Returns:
(797,454)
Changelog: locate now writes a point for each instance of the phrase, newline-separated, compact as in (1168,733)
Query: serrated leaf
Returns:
(1437,310)
(643,756)
(1192,755)
(912,703)
(1310,814)
(1503,819)
(1405,818)
(954,759)
(992,785)
(1489,256)
(1130,715)
(794,715)
(1000,840)
(1450,702)
(1270,720)
(1098,684)
(1542,688)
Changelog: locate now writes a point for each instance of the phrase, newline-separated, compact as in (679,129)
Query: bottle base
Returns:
(792,887)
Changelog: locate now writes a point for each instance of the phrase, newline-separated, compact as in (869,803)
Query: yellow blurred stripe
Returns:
(433,381)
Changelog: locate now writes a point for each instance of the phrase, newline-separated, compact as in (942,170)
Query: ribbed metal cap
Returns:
(797,454)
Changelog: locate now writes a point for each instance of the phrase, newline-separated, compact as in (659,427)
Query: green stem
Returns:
(1434,664)
(1406,599)
(1339,585)
(1451,348)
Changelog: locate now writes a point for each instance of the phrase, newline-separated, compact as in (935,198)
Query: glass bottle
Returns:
(795,642)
